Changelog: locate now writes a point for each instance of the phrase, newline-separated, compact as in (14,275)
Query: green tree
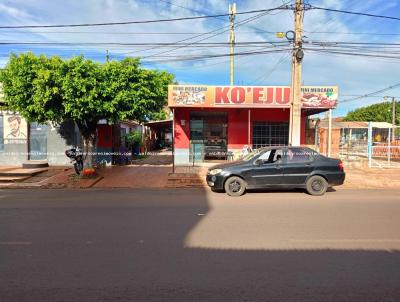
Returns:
(44,89)
(381,112)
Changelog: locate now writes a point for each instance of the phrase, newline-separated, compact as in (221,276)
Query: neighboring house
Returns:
(21,141)
(349,134)
(158,134)
(111,146)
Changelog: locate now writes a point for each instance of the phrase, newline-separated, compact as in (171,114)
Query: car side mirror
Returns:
(258,162)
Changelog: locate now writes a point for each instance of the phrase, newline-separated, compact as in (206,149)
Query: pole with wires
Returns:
(232,14)
(393,118)
(297,57)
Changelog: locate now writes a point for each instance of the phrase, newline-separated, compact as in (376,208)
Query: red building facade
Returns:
(218,122)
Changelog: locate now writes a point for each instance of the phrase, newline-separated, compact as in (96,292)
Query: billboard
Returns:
(249,96)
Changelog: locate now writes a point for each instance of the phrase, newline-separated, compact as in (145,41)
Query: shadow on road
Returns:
(127,245)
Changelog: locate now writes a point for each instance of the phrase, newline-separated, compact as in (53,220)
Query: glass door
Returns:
(208,135)
(37,141)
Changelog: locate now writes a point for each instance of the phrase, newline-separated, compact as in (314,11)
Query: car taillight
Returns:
(341,166)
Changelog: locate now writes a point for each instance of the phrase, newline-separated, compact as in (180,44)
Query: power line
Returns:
(197,11)
(353,53)
(265,76)
(168,44)
(202,57)
(370,96)
(353,13)
(360,53)
(127,33)
(200,35)
(216,34)
(371,93)
(350,43)
(143,21)
(353,33)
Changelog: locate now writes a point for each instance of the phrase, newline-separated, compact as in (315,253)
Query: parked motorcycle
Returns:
(76,156)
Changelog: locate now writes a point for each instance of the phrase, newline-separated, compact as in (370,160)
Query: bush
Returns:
(134,139)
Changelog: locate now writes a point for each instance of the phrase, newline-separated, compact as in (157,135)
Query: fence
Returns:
(384,147)
(353,143)
(376,145)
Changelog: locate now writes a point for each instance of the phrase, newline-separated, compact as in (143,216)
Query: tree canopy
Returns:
(381,112)
(44,89)
(49,89)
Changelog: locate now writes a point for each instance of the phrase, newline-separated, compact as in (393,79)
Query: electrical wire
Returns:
(353,33)
(143,21)
(219,18)
(202,57)
(282,59)
(353,13)
(214,35)
(161,44)
(197,36)
(371,93)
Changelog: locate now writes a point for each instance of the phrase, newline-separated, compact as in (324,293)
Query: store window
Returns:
(208,135)
(270,134)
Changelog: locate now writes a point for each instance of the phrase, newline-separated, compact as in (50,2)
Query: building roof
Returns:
(168,121)
(353,125)
(160,124)
(381,125)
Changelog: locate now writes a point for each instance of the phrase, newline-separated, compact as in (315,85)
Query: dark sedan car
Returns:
(279,167)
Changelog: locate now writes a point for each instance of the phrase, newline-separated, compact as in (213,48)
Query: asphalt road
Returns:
(195,245)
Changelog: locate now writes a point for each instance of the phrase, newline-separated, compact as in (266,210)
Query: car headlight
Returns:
(215,171)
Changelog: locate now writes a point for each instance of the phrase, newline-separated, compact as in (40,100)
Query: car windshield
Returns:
(252,154)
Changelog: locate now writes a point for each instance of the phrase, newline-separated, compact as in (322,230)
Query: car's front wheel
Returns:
(316,185)
(235,186)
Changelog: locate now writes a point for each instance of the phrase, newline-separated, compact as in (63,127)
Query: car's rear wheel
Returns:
(235,186)
(316,185)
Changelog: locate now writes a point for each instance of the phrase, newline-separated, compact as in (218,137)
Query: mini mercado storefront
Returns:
(219,122)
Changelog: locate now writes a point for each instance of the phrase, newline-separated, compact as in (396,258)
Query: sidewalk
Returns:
(134,176)
(368,178)
(149,172)
(155,171)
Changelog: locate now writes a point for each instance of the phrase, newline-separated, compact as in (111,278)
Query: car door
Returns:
(298,164)
(267,172)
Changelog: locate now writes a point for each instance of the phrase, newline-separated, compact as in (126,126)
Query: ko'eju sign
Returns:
(249,96)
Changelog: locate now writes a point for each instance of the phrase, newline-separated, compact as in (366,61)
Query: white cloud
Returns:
(13,12)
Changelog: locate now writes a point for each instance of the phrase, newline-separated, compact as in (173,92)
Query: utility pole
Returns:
(107,56)
(232,14)
(297,56)
(393,117)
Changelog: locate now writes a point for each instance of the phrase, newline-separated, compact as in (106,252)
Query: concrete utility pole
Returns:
(393,117)
(297,56)
(107,56)
(329,131)
(232,14)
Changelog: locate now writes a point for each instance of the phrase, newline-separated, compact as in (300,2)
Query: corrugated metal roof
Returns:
(353,125)
(381,125)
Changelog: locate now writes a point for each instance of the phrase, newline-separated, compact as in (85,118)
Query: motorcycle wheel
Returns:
(78,167)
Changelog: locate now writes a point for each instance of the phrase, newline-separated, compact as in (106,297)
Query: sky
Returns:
(354,75)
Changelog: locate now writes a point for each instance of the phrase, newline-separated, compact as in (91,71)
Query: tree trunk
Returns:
(89,133)
(90,149)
